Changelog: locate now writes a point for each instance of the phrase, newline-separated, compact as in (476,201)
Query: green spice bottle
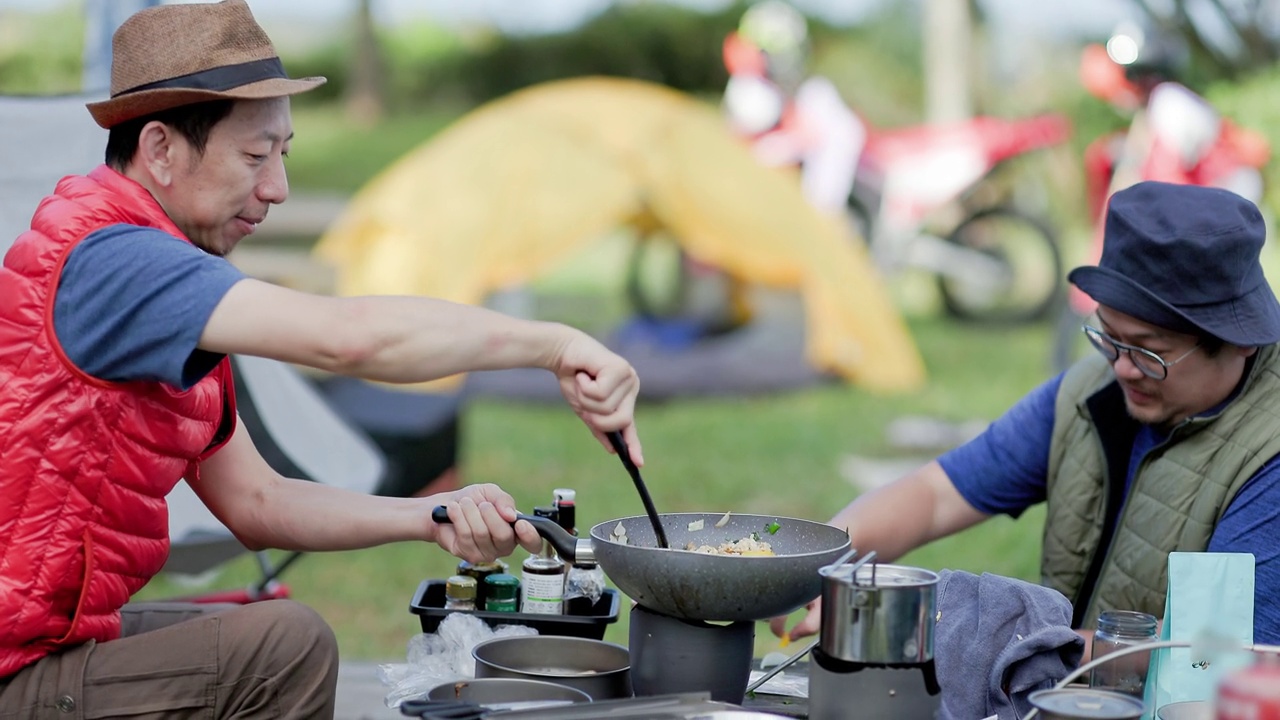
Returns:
(502,593)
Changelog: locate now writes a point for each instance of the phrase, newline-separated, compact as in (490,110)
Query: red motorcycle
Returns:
(923,196)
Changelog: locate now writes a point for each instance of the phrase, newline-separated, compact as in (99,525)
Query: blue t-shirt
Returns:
(1004,470)
(132,303)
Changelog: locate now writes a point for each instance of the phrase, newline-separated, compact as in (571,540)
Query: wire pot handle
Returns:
(1214,644)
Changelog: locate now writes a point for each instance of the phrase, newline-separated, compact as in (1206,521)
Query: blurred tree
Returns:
(1227,38)
(41,52)
(948,60)
(365,101)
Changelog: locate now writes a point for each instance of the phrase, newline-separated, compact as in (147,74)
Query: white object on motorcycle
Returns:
(1184,121)
(836,138)
(752,104)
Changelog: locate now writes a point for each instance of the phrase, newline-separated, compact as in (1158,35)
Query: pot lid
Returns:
(1087,703)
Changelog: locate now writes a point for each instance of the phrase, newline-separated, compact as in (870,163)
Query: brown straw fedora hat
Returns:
(173,55)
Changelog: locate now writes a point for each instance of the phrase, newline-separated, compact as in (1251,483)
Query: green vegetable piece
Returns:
(772,528)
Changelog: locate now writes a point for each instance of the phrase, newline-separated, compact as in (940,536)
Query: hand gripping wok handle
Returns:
(569,547)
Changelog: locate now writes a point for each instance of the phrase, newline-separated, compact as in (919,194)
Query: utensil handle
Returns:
(782,666)
(564,543)
(620,446)
(1113,655)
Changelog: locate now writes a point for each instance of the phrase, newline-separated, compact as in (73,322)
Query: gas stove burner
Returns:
(671,655)
(841,690)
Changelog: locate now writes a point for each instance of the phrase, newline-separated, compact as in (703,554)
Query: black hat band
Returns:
(219,79)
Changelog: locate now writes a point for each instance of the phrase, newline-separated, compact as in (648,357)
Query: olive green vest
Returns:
(1178,493)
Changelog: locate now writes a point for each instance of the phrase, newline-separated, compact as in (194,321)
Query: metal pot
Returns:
(1086,704)
(506,691)
(698,586)
(600,669)
(879,614)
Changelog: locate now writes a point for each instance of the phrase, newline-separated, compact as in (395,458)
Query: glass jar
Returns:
(480,571)
(460,593)
(1118,629)
(544,574)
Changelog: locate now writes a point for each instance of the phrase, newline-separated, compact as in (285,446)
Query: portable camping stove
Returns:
(874,658)
(671,655)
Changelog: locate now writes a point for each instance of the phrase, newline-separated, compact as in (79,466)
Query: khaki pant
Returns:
(271,659)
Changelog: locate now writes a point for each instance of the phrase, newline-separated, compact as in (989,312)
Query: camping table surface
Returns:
(785,705)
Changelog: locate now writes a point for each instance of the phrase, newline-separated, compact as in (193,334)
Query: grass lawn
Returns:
(773,455)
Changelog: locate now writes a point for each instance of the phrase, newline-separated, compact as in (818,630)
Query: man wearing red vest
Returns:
(117,313)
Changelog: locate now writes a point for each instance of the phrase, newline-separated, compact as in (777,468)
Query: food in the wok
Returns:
(750,545)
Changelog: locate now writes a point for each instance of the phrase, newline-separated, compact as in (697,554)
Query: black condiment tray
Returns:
(582,620)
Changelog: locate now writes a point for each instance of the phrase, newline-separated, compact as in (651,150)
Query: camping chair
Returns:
(300,436)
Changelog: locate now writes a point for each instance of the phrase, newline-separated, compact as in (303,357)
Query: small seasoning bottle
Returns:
(542,588)
(502,593)
(584,581)
(1120,629)
(566,510)
(480,571)
(460,593)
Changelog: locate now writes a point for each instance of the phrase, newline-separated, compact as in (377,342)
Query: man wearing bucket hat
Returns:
(1165,440)
(117,314)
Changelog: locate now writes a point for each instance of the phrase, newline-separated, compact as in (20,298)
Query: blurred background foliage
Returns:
(429,75)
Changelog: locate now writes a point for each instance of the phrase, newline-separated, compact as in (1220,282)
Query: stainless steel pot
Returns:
(600,669)
(879,614)
(506,691)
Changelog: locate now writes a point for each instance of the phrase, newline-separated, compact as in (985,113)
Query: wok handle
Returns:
(565,544)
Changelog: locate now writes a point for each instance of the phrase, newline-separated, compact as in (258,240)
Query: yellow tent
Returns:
(517,186)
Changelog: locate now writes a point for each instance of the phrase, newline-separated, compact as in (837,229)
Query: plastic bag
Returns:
(441,657)
(584,582)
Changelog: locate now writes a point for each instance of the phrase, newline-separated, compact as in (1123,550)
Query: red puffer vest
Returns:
(86,464)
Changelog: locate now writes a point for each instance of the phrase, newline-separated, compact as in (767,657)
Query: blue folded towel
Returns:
(996,641)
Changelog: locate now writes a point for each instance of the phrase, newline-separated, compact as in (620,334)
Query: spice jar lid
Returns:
(501,586)
(1087,703)
(460,587)
(479,570)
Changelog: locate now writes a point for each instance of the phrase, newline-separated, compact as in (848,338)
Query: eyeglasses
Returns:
(1151,364)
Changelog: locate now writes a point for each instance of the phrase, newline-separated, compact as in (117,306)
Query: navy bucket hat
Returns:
(1185,258)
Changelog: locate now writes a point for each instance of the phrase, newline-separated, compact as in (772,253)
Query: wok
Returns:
(697,586)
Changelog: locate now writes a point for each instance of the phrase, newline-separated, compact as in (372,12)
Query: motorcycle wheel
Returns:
(1032,282)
